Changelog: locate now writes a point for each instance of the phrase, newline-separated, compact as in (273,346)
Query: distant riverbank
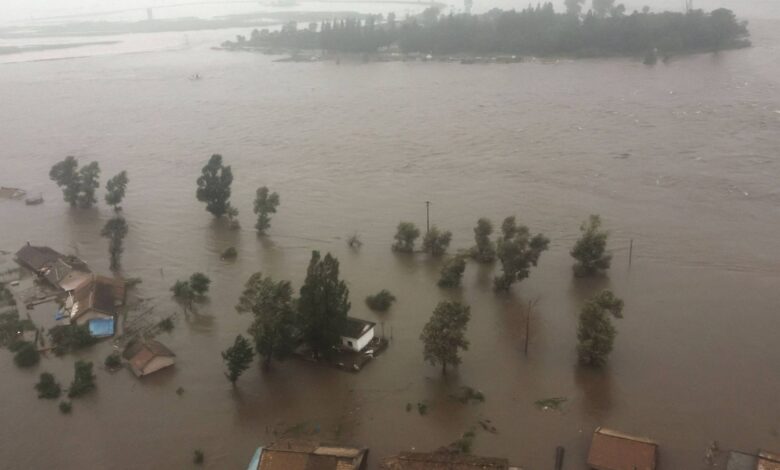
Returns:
(500,36)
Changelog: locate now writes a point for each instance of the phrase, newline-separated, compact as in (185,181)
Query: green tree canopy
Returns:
(265,204)
(452,272)
(115,230)
(445,334)
(381,301)
(199,283)
(595,332)
(590,249)
(436,241)
(67,177)
(405,236)
(83,380)
(214,186)
(518,251)
(88,177)
(47,387)
(273,307)
(115,190)
(485,249)
(323,305)
(238,358)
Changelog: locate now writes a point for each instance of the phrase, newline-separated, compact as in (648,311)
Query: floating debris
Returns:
(554,403)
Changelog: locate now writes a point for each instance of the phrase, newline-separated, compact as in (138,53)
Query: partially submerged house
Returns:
(308,455)
(357,334)
(613,450)
(762,461)
(36,258)
(98,297)
(146,357)
(443,460)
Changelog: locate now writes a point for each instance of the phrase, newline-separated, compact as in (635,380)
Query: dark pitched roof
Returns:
(103,299)
(36,257)
(355,327)
(442,461)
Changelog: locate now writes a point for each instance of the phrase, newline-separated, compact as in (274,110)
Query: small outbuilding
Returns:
(147,357)
(292,454)
(357,334)
(613,450)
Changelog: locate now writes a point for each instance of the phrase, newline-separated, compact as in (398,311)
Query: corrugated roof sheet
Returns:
(768,461)
(612,450)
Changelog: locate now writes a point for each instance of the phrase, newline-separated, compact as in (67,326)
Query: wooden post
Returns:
(559,451)
(427,217)
(630,252)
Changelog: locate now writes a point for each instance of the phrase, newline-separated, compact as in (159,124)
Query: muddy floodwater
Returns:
(683,158)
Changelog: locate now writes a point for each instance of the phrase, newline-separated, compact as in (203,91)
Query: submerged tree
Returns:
(405,236)
(67,177)
(323,305)
(238,358)
(436,242)
(444,334)
(47,387)
(517,251)
(88,177)
(214,186)
(485,249)
(273,307)
(265,204)
(595,332)
(452,272)
(83,380)
(192,290)
(381,301)
(115,230)
(115,190)
(590,249)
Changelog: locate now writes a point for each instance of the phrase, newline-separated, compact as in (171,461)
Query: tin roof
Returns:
(140,354)
(613,450)
(768,461)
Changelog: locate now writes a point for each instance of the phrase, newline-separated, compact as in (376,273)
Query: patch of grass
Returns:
(65,407)
(229,254)
(67,338)
(465,443)
(468,394)
(422,408)
(553,403)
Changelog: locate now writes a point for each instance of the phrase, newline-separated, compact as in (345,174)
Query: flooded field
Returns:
(682,158)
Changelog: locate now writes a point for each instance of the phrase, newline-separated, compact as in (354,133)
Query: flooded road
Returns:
(682,158)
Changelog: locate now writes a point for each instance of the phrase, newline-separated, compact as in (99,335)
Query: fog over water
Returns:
(681,157)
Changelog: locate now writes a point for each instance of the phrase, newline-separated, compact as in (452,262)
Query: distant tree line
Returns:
(605,29)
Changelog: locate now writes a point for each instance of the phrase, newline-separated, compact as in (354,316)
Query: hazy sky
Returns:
(22,9)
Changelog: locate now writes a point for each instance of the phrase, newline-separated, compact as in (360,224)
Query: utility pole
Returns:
(630,252)
(427,217)
(531,306)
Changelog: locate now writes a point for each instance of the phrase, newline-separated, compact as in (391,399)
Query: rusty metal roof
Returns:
(768,461)
(613,450)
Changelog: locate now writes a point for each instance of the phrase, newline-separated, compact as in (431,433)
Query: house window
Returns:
(349,343)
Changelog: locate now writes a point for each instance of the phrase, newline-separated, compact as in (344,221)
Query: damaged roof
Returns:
(37,257)
(140,354)
(613,450)
(292,454)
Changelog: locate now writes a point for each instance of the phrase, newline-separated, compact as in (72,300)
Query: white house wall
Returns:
(158,363)
(360,343)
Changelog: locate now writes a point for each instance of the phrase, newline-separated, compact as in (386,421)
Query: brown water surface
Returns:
(682,158)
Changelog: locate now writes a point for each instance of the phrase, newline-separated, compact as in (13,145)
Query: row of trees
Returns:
(214,188)
(605,29)
(79,184)
(516,249)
